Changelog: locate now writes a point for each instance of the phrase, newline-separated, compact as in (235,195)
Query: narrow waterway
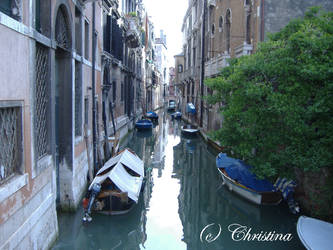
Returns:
(183,205)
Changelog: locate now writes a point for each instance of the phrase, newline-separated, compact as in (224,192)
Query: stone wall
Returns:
(279,13)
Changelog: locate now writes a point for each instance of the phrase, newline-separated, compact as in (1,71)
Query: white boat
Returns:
(117,185)
(315,234)
(189,129)
(246,184)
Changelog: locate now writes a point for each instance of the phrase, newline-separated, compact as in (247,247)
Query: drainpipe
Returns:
(203,30)
(94,90)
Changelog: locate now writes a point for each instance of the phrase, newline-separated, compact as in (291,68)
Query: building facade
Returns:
(216,30)
(72,75)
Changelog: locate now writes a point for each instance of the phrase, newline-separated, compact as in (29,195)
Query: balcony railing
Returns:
(214,65)
(242,50)
(133,33)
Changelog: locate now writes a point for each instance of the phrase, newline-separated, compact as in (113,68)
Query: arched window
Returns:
(220,24)
(213,29)
(62,31)
(228,29)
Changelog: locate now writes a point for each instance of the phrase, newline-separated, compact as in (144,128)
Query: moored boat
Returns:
(151,115)
(171,105)
(314,233)
(116,186)
(144,124)
(239,179)
(189,129)
(176,115)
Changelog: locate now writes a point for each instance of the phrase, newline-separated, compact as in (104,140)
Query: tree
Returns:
(277,103)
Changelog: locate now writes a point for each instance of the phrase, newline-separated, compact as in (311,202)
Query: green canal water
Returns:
(183,205)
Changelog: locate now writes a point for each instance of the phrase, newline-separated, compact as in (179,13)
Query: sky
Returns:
(168,15)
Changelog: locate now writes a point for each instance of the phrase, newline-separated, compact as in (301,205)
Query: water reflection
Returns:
(182,196)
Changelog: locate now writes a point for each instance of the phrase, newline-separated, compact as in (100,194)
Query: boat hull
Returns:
(260,198)
(314,233)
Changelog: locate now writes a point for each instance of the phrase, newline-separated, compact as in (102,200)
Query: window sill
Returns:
(12,186)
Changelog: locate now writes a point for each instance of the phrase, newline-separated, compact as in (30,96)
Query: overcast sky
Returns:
(168,15)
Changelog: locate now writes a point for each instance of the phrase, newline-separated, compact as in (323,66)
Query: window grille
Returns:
(62,31)
(78,100)
(41,100)
(10,131)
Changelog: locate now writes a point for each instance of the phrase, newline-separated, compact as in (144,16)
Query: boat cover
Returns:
(190,108)
(151,114)
(120,177)
(144,123)
(314,233)
(240,172)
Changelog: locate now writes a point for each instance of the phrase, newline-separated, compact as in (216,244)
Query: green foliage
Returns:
(277,103)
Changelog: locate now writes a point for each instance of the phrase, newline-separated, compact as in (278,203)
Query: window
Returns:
(86,39)
(248,29)
(10,139)
(213,29)
(86,111)
(228,29)
(41,107)
(78,99)
(220,24)
(114,91)
(106,32)
(180,68)
(42,21)
(122,92)
(78,31)
(12,8)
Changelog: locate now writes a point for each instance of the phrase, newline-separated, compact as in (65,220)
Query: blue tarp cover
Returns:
(190,108)
(239,171)
(151,114)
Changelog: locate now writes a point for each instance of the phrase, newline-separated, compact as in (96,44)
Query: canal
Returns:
(183,205)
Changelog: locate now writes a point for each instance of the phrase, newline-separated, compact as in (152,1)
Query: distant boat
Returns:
(239,179)
(116,186)
(314,233)
(151,115)
(144,124)
(176,115)
(172,105)
(189,129)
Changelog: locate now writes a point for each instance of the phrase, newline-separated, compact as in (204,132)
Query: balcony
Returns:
(242,50)
(133,32)
(214,65)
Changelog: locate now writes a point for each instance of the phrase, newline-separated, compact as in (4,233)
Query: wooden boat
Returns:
(144,124)
(239,179)
(116,186)
(189,129)
(176,115)
(314,233)
(151,115)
